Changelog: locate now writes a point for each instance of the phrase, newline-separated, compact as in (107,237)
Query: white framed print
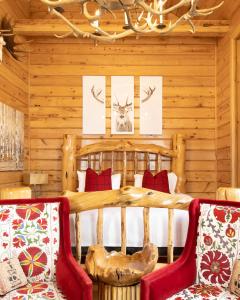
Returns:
(122,104)
(94,108)
(151,105)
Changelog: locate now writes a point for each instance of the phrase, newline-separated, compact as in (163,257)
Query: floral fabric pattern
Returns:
(35,291)
(30,232)
(217,244)
(204,292)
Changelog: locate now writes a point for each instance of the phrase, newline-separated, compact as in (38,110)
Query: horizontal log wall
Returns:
(224,148)
(188,69)
(14,86)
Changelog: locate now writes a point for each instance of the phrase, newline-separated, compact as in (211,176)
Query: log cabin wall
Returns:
(188,69)
(14,86)
(224,148)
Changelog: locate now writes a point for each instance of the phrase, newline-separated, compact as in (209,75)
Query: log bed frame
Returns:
(127,196)
(125,157)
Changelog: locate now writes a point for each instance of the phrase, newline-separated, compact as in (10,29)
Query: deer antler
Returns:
(96,94)
(140,24)
(149,92)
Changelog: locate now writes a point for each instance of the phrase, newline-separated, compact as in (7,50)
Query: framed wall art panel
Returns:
(11,138)
(151,105)
(94,98)
(122,100)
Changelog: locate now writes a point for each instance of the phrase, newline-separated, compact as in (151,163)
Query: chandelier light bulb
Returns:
(161,9)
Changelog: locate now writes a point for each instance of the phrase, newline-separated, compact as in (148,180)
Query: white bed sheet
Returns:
(134,218)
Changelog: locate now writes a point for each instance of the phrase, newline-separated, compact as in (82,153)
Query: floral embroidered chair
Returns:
(204,269)
(37,232)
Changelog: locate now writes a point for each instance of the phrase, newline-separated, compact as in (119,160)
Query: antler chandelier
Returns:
(138,16)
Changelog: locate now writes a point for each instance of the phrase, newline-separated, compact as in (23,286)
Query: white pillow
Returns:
(116,181)
(138,178)
(172,181)
(81,181)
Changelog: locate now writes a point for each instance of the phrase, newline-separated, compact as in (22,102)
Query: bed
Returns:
(122,217)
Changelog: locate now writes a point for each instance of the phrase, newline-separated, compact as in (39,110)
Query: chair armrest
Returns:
(165,282)
(72,279)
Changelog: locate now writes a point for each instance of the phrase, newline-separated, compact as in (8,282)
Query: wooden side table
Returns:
(22,192)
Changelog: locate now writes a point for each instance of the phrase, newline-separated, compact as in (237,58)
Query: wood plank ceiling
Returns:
(213,25)
(225,12)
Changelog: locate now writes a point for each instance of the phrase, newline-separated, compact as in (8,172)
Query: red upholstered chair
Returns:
(37,232)
(204,269)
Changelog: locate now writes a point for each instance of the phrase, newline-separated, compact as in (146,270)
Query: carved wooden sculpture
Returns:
(118,269)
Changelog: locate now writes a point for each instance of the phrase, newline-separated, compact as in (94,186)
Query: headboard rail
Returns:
(125,146)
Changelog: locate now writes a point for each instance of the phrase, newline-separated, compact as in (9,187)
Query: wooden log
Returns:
(124,168)
(114,293)
(178,162)
(112,163)
(126,196)
(108,146)
(137,293)
(170,236)
(159,162)
(48,27)
(135,162)
(147,161)
(100,211)
(123,230)
(69,163)
(146,225)
(78,237)
(226,193)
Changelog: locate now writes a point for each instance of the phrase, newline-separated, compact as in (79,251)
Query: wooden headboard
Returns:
(123,157)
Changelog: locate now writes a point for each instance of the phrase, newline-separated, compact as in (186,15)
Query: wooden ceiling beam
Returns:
(49,27)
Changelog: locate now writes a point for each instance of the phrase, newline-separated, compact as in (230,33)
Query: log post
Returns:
(178,162)
(78,237)
(170,236)
(146,239)
(69,163)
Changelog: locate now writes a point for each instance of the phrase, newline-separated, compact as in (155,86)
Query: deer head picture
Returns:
(122,108)
(123,120)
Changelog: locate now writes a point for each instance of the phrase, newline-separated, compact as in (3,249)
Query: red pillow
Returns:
(98,182)
(159,182)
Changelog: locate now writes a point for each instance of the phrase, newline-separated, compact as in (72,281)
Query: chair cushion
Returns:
(30,232)
(36,291)
(205,292)
(217,244)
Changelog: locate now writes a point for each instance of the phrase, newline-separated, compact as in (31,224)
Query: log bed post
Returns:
(178,162)
(69,163)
